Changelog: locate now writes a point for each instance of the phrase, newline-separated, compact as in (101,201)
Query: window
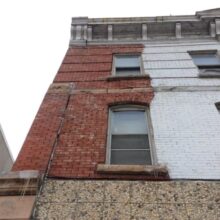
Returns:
(125,65)
(208,62)
(128,136)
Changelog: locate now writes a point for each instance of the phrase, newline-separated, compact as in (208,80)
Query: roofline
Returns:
(165,18)
(203,24)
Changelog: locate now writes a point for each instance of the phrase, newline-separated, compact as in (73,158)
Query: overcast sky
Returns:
(34,36)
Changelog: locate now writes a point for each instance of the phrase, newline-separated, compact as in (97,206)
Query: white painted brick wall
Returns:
(186,124)
(175,48)
(164,64)
(186,82)
(169,64)
(166,56)
(161,73)
(187,133)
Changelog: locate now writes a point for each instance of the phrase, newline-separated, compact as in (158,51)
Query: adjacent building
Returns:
(130,126)
(6,159)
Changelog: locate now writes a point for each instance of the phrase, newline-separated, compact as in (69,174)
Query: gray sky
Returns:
(34,36)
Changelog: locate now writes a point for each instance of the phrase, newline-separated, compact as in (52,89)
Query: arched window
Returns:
(129,135)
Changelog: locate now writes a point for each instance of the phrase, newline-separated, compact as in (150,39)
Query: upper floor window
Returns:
(125,65)
(128,136)
(208,62)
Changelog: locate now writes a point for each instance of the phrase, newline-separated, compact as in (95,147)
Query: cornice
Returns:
(203,24)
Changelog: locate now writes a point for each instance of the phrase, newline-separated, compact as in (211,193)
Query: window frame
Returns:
(126,54)
(207,70)
(129,107)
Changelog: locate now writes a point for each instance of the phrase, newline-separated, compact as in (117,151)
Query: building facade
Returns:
(130,126)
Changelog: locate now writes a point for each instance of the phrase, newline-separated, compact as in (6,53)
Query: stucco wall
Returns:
(122,200)
(185,119)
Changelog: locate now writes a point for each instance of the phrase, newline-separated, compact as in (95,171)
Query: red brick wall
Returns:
(37,147)
(81,143)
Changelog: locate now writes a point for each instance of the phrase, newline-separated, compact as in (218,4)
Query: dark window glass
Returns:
(130,157)
(127,65)
(206,60)
(130,141)
(129,137)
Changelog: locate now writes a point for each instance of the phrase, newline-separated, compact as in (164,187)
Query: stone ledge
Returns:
(62,88)
(19,183)
(210,73)
(151,170)
(130,77)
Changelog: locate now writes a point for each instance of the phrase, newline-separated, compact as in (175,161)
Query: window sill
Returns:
(129,77)
(150,170)
(209,73)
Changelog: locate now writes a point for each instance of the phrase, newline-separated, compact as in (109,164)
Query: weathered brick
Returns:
(81,115)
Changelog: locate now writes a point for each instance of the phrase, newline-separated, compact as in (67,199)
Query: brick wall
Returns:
(73,118)
(37,147)
(185,123)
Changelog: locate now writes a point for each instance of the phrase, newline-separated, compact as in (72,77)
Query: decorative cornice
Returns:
(201,25)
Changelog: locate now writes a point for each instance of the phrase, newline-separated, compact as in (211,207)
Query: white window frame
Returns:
(149,127)
(127,54)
